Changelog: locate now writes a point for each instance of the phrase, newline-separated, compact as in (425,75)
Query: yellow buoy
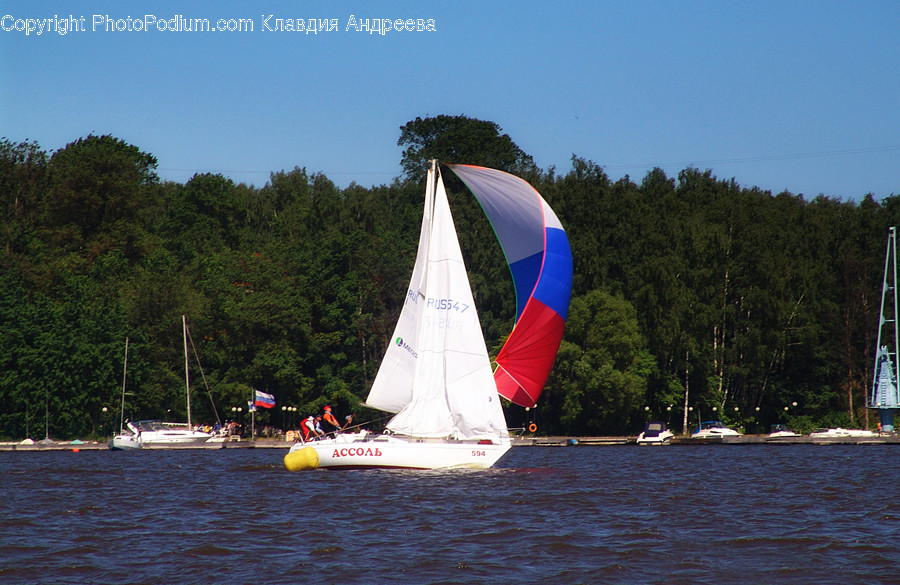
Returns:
(305,458)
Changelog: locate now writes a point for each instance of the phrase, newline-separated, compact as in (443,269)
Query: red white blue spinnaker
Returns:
(540,260)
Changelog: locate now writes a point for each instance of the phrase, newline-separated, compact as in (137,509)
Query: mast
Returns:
(885,395)
(124,374)
(187,380)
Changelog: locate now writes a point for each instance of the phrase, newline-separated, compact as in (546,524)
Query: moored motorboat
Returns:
(714,429)
(780,431)
(655,433)
(838,432)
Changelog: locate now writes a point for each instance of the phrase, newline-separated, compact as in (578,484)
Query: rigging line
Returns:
(199,365)
(764,158)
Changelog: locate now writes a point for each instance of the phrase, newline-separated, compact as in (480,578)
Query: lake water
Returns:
(717,514)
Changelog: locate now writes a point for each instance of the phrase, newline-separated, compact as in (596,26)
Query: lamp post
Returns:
(236,414)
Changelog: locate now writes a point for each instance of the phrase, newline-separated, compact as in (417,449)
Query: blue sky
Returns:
(798,96)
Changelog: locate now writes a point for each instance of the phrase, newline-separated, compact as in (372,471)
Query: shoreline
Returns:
(884,439)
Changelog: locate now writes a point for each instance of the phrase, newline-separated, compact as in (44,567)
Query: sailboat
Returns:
(436,375)
(124,440)
(885,394)
(155,434)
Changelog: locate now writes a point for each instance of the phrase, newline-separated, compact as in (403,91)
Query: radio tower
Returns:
(885,396)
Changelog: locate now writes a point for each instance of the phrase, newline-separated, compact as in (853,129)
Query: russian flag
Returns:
(264,400)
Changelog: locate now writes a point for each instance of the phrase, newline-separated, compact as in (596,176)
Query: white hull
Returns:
(364,450)
(712,433)
(714,429)
(839,433)
(173,438)
(161,435)
(663,438)
(781,431)
(124,442)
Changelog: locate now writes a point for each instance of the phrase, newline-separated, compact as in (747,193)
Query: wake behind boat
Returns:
(436,375)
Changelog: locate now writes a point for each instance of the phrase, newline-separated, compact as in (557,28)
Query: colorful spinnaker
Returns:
(540,260)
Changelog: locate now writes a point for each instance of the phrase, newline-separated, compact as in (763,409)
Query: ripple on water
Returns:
(724,514)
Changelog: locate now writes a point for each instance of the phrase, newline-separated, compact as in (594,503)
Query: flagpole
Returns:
(253,416)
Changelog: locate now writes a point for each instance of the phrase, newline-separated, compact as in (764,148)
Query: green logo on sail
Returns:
(400,343)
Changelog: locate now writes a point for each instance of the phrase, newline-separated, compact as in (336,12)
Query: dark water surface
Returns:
(717,514)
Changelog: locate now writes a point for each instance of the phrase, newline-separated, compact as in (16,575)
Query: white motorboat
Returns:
(655,433)
(712,429)
(839,432)
(436,375)
(780,431)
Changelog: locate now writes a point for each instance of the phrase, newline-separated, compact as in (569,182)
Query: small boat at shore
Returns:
(124,440)
(159,434)
(780,431)
(655,433)
(838,432)
(713,429)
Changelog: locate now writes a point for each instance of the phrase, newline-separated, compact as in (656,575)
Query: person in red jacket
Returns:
(310,429)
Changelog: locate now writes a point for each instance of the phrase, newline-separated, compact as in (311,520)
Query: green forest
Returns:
(691,293)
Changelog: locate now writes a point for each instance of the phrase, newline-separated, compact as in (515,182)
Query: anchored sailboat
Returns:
(155,434)
(124,440)
(436,375)
(885,395)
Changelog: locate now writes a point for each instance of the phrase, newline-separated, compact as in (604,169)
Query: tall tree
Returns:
(459,139)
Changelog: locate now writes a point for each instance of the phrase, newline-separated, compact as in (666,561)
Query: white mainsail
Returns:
(451,392)
(392,388)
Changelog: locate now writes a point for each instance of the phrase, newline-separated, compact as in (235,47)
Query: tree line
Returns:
(693,297)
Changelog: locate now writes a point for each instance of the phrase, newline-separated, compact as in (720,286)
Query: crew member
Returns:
(329,422)
(310,430)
